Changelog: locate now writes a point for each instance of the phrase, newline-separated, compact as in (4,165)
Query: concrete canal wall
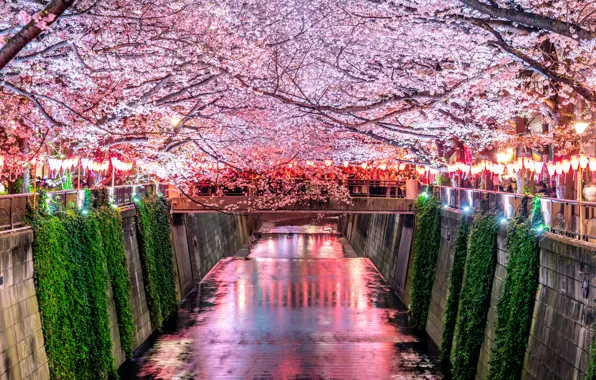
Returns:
(22,353)
(199,241)
(562,329)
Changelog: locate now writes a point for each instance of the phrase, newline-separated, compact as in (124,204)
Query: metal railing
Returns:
(356,188)
(13,207)
(562,215)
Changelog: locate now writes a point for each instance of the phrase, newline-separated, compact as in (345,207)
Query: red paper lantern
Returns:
(583,161)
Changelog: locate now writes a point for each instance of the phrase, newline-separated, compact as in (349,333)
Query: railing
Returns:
(13,207)
(356,187)
(562,215)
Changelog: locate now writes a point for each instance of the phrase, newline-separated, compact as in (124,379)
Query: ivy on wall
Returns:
(455,284)
(157,258)
(113,238)
(426,250)
(475,295)
(71,281)
(516,306)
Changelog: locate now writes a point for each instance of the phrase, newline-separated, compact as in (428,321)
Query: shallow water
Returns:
(295,309)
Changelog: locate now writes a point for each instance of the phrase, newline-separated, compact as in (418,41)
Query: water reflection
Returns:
(298,246)
(305,313)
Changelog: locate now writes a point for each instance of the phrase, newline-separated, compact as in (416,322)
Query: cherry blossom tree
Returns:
(248,82)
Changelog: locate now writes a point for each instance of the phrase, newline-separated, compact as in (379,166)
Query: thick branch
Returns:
(586,93)
(30,31)
(533,19)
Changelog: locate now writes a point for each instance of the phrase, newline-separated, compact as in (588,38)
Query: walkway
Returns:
(295,309)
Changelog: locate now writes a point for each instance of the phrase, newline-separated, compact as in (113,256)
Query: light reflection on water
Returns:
(298,246)
(296,309)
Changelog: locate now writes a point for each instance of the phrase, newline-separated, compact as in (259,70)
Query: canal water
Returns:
(298,307)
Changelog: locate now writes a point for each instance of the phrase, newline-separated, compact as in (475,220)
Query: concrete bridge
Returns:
(252,205)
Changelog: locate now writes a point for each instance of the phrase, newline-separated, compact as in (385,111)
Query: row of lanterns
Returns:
(557,167)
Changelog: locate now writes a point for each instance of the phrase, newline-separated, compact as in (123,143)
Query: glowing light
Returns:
(346,164)
(503,220)
(583,161)
(574,162)
(566,166)
(538,166)
(592,164)
(581,126)
(175,120)
(467,209)
(383,166)
(505,156)
(551,168)
(328,163)
(363,165)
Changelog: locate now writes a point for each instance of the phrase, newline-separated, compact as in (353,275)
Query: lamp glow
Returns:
(581,126)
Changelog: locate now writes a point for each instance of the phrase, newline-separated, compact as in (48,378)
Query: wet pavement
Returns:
(295,309)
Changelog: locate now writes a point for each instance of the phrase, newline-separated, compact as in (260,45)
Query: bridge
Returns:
(251,204)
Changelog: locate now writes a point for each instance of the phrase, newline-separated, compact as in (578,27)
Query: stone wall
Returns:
(22,353)
(562,331)
(385,239)
(562,328)
(211,237)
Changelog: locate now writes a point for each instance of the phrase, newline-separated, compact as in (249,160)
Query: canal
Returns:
(299,306)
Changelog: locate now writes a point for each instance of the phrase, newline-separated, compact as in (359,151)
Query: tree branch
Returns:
(532,19)
(30,31)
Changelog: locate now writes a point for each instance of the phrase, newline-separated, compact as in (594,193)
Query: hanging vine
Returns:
(516,306)
(113,238)
(71,282)
(426,250)
(475,295)
(157,258)
(455,284)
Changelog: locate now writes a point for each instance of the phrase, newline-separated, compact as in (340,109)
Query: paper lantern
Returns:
(1,160)
(346,164)
(402,166)
(383,166)
(583,161)
(529,164)
(574,162)
(551,168)
(592,164)
(328,163)
(500,169)
(559,168)
(566,166)
(363,165)
(421,170)
(538,166)
(309,163)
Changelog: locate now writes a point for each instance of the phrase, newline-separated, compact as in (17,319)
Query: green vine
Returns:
(516,306)
(71,278)
(157,258)
(455,284)
(475,296)
(113,238)
(426,250)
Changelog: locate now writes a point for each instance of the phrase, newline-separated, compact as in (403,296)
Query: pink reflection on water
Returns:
(298,246)
(288,318)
